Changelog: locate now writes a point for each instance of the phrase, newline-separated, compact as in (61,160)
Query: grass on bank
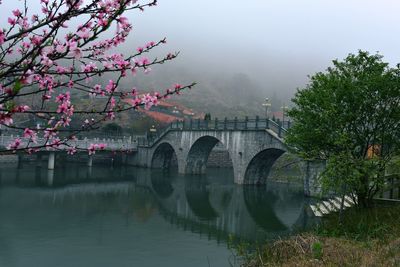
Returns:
(365,238)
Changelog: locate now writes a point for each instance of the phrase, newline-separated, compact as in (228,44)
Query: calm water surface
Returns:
(123,216)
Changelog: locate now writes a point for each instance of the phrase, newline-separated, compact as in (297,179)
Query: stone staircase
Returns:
(328,206)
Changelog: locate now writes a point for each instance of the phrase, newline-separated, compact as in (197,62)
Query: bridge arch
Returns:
(164,157)
(199,152)
(260,165)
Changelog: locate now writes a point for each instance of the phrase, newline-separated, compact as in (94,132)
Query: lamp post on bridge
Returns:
(153,132)
(266,104)
(284,109)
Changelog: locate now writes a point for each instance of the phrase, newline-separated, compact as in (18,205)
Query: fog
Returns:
(272,45)
(275,43)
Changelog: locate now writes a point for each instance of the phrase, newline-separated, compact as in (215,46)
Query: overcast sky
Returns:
(277,42)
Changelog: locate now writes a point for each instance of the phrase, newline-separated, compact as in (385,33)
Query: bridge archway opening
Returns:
(199,153)
(164,157)
(260,166)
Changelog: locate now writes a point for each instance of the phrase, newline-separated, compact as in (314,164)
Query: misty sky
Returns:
(278,43)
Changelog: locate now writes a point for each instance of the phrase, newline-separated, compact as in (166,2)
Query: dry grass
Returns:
(299,251)
(361,241)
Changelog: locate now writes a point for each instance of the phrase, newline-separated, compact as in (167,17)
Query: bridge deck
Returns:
(278,129)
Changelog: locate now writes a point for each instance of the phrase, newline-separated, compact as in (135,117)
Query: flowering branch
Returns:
(46,65)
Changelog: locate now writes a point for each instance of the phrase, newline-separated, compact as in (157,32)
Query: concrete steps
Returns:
(328,206)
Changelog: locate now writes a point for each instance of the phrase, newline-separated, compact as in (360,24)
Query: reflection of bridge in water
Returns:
(207,205)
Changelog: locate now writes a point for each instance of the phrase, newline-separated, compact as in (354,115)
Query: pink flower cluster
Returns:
(93,147)
(39,59)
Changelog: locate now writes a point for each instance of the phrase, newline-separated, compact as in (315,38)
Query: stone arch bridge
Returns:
(253,145)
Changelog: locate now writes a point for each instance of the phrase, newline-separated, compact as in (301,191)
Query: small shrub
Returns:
(317,250)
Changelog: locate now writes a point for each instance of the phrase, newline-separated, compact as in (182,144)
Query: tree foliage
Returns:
(349,115)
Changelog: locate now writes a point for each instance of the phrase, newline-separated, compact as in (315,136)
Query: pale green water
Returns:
(103,216)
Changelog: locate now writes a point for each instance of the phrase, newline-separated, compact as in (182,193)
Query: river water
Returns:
(125,216)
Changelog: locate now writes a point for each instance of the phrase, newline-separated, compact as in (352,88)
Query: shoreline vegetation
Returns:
(366,237)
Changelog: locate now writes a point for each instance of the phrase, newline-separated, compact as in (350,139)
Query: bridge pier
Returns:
(312,172)
(51,161)
(90,161)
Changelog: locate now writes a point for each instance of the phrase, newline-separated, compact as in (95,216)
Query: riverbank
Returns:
(365,238)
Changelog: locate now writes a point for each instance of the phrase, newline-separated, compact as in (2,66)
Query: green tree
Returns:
(341,115)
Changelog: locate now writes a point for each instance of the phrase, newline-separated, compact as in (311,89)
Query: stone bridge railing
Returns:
(247,124)
(121,143)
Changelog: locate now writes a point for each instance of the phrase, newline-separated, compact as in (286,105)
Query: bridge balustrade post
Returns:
(267,123)
(246,119)
(216,124)
(257,119)
(191,124)
(198,123)
(206,124)
(280,129)
(225,123)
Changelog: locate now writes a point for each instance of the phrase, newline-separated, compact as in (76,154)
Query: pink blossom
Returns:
(111,115)
(2,37)
(15,144)
(49,133)
(22,108)
(92,149)
(102,146)
(148,101)
(61,70)
(17,13)
(6,119)
(28,133)
(36,40)
(28,77)
(83,33)
(65,121)
(143,61)
(90,67)
(149,45)
(110,88)
(112,103)
(12,21)
(55,143)
(71,150)
(61,48)
(71,83)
